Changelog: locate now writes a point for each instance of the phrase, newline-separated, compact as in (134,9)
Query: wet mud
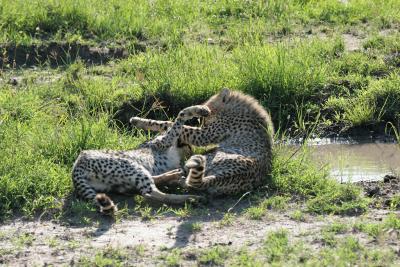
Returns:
(384,194)
(56,54)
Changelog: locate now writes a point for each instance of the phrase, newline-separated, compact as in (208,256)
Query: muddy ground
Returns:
(383,193)
(56,54)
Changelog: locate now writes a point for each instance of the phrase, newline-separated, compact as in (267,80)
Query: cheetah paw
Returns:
(197,162)
(106,205)
(194,111)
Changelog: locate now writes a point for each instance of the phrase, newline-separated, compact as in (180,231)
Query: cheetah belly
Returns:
(174,158)
(99,186)
(167,161)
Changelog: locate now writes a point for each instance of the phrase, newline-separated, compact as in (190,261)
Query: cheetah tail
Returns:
(105,203)
(170,198)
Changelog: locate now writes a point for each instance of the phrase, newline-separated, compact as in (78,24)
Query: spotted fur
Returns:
(243,131)
(153,163)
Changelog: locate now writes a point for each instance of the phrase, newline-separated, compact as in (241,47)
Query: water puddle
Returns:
(354,160)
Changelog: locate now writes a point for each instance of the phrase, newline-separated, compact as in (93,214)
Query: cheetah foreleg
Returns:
(168,177)
(170,138)
(198,136)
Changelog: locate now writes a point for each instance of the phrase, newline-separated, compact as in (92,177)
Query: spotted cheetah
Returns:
(243,132)
(153,163)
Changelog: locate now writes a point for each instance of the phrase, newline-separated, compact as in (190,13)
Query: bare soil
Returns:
(66,242)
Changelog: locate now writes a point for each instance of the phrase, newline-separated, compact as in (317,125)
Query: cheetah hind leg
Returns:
(196,166)
(105,204)
(101,200)
(152,125)
(162,126)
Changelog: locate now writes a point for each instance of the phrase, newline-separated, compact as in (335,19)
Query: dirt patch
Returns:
(59,243)
(351,42)
(55,54)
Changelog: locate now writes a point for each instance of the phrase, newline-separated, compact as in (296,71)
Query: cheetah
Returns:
(243,132)
(154,162)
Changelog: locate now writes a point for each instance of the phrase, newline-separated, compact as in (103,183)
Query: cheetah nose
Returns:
(205,112)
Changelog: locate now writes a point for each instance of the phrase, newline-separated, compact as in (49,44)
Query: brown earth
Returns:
(68,241)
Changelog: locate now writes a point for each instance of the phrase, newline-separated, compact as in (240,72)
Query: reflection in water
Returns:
(357,160)
(353,160)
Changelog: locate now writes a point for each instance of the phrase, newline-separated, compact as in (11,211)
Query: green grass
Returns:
(280,249)
(24,240)
(257,212)
(301,178)
(176,22)
(214,256)
(337,228)
(227,220)
(290,55)
(276,246)
(310,85)
(298,216)
(193,227)
(77,114)
(172,258)
(379,230)
(106,257)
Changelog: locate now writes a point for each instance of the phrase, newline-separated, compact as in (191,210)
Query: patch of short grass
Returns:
(279,249)
(107,257)
(276,245)
(255,213)
(328,239)
(23,240)
(379,229)
(193,227)
(227,220)
(73,244)
(139,250)
(214,256)
(172,258)
(298,215)
(53,242)
(337,227)
(246,258)
(392,221)
(299,177)
(258,211)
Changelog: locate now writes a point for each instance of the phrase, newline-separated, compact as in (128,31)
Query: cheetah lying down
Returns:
(142,169)
(243,131)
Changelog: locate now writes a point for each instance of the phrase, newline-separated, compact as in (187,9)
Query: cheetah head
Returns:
(218,101)
(216,104)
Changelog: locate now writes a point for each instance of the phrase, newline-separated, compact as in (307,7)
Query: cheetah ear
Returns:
(224,94)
